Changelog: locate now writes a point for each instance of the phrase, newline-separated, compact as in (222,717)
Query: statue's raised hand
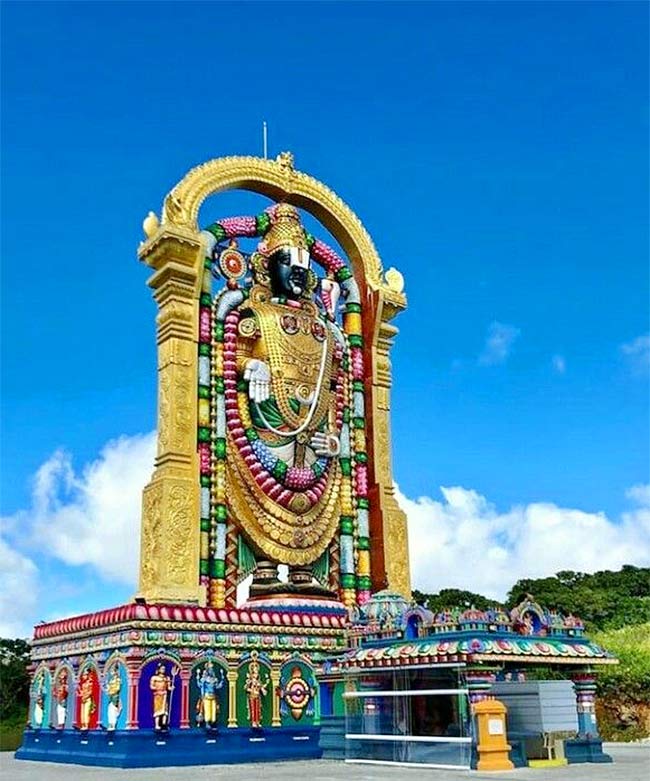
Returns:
(325,445)
(258,375)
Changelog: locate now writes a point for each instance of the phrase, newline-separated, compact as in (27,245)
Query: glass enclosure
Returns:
(415,716)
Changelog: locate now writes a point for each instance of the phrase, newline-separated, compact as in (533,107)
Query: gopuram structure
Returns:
(274,465)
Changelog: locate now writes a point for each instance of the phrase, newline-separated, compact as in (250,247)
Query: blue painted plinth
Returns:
(144,748)
(585,750)
(332,737)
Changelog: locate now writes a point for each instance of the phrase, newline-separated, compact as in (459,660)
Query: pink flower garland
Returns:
(326,256)
(239,226)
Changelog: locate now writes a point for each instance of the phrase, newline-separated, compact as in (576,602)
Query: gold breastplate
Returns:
(299,348)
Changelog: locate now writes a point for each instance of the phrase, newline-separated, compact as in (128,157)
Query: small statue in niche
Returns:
(39,699)
(86,694)
(256,687)
(113,689)
(209,684)
(61,691)
(162,686)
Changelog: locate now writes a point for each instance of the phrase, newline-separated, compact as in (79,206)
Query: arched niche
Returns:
(63,696)
(146,700)
(198,713)
(245,701)
(114,705)
(87,696)
(40,693)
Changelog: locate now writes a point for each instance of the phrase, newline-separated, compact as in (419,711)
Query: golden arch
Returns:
(174,249)
(281,182)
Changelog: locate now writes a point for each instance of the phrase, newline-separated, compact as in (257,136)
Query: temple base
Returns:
(585,750)
(140,748)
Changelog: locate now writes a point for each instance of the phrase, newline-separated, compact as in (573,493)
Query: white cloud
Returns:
(559,364)
(18,592)
(93,517)
(498,344)
(639,493)
(464,542)
(637,353)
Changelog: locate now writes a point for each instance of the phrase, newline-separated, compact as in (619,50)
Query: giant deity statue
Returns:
(286,385)
(287,341)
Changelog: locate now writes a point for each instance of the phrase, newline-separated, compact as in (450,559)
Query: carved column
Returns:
(388,533)
(479,681)
(231,675)
(584,683)
(185,698)
(133,674)
(169,558)
(276,721)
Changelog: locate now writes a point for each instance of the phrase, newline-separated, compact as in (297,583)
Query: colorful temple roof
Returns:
(324,615)
(475,648)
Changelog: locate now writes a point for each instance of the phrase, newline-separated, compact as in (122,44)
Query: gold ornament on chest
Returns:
(299,350)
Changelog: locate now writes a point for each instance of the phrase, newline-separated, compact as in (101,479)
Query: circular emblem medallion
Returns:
(318,331)
(289,324)
(232,264)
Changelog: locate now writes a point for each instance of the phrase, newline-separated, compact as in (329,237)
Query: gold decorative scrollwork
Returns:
(178,561)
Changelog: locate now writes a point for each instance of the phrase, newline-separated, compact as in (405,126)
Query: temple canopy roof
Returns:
(475,647)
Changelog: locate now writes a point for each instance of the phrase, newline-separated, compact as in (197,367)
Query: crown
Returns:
(286,230)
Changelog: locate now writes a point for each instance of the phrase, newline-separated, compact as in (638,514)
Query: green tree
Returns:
(602,599)
(14,678)
(450,598)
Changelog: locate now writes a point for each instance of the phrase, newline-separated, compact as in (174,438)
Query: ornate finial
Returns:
(150,224)
(285,161)
(395,280)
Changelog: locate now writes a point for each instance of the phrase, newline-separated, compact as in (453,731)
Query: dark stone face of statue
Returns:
(288,270)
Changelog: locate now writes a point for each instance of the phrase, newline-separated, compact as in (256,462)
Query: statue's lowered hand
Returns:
(325,445)
(258,375)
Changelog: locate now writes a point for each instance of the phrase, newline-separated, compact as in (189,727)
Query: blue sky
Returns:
(497,153)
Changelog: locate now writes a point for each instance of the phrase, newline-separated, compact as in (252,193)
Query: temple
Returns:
(273,471)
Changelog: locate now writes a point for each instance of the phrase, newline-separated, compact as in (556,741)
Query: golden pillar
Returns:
(276,721)
(389,533)
(231,675)
(169,556)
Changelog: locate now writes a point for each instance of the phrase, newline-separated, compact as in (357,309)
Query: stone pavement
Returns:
(631,763)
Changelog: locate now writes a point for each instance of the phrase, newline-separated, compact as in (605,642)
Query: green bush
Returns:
(624,689)
(631,645)
(11,732)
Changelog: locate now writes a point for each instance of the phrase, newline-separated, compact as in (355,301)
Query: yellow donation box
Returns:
(492,746)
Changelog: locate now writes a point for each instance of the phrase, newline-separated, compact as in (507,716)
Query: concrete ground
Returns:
(631,763)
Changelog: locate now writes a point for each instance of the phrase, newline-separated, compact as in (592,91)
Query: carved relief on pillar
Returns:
(176,401)
(397,552)
(151,537)
(170,540)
